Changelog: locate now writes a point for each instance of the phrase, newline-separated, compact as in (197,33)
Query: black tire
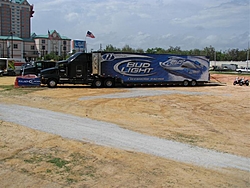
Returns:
(193,83)
(234,83)
(109,82)
(185,83)
(240,83)
(97,83)
(52,83)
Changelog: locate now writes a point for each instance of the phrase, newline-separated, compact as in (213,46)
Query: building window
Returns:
(64,42)
(15,46)
(43,47)
(43,41)
(32,47)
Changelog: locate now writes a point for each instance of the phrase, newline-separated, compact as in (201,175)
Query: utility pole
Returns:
(214,56)
(247,55)
(12,33)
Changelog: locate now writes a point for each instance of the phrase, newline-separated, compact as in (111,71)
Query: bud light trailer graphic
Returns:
(155,68)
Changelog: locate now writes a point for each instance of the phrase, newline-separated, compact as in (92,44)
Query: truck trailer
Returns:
(109,69)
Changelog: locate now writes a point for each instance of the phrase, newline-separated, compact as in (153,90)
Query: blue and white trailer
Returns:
(108,69)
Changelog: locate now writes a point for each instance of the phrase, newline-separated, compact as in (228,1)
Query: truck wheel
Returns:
(109,82)
(193,83)
(97,83)
(52,83)
(185,83)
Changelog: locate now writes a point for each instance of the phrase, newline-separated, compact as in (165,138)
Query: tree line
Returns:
(228,55)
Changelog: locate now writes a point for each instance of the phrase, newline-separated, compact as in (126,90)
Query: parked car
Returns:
(243,70)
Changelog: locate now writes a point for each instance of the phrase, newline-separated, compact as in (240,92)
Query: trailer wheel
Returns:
(193,83)
(185,83)
(52,83)
(97,83)
(109,82)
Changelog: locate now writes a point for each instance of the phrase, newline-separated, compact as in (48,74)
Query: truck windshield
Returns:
(73,56)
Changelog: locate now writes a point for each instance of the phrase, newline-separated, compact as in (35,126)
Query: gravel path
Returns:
(108,134)
(135,92)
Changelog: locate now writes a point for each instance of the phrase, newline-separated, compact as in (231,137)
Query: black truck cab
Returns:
(36,67)
(75,70)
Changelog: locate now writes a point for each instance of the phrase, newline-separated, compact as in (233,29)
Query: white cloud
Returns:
(148,23)
(71,16)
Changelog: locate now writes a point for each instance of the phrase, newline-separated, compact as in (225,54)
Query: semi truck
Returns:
(36,67)
(109,69)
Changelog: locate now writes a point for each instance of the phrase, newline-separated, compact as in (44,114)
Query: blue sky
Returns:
(189,24)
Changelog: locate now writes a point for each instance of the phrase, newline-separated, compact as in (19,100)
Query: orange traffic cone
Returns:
(16,83)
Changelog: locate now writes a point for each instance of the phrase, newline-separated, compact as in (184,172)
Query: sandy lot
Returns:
(218,119)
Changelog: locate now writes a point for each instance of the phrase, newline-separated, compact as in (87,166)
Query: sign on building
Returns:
(78,45)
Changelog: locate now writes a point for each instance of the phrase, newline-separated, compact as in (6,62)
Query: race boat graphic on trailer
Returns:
(183,67)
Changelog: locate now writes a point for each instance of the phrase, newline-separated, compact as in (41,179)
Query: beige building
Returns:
(52,42)
(15,38)
(37,46)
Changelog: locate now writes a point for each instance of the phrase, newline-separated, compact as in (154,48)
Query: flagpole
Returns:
(247,55)
(89,34)
(86,43)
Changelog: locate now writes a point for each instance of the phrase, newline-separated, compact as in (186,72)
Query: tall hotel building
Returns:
(15,18)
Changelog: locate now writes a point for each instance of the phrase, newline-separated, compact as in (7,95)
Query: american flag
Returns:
(89,34)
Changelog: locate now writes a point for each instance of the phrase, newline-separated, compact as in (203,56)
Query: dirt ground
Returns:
(219,120)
